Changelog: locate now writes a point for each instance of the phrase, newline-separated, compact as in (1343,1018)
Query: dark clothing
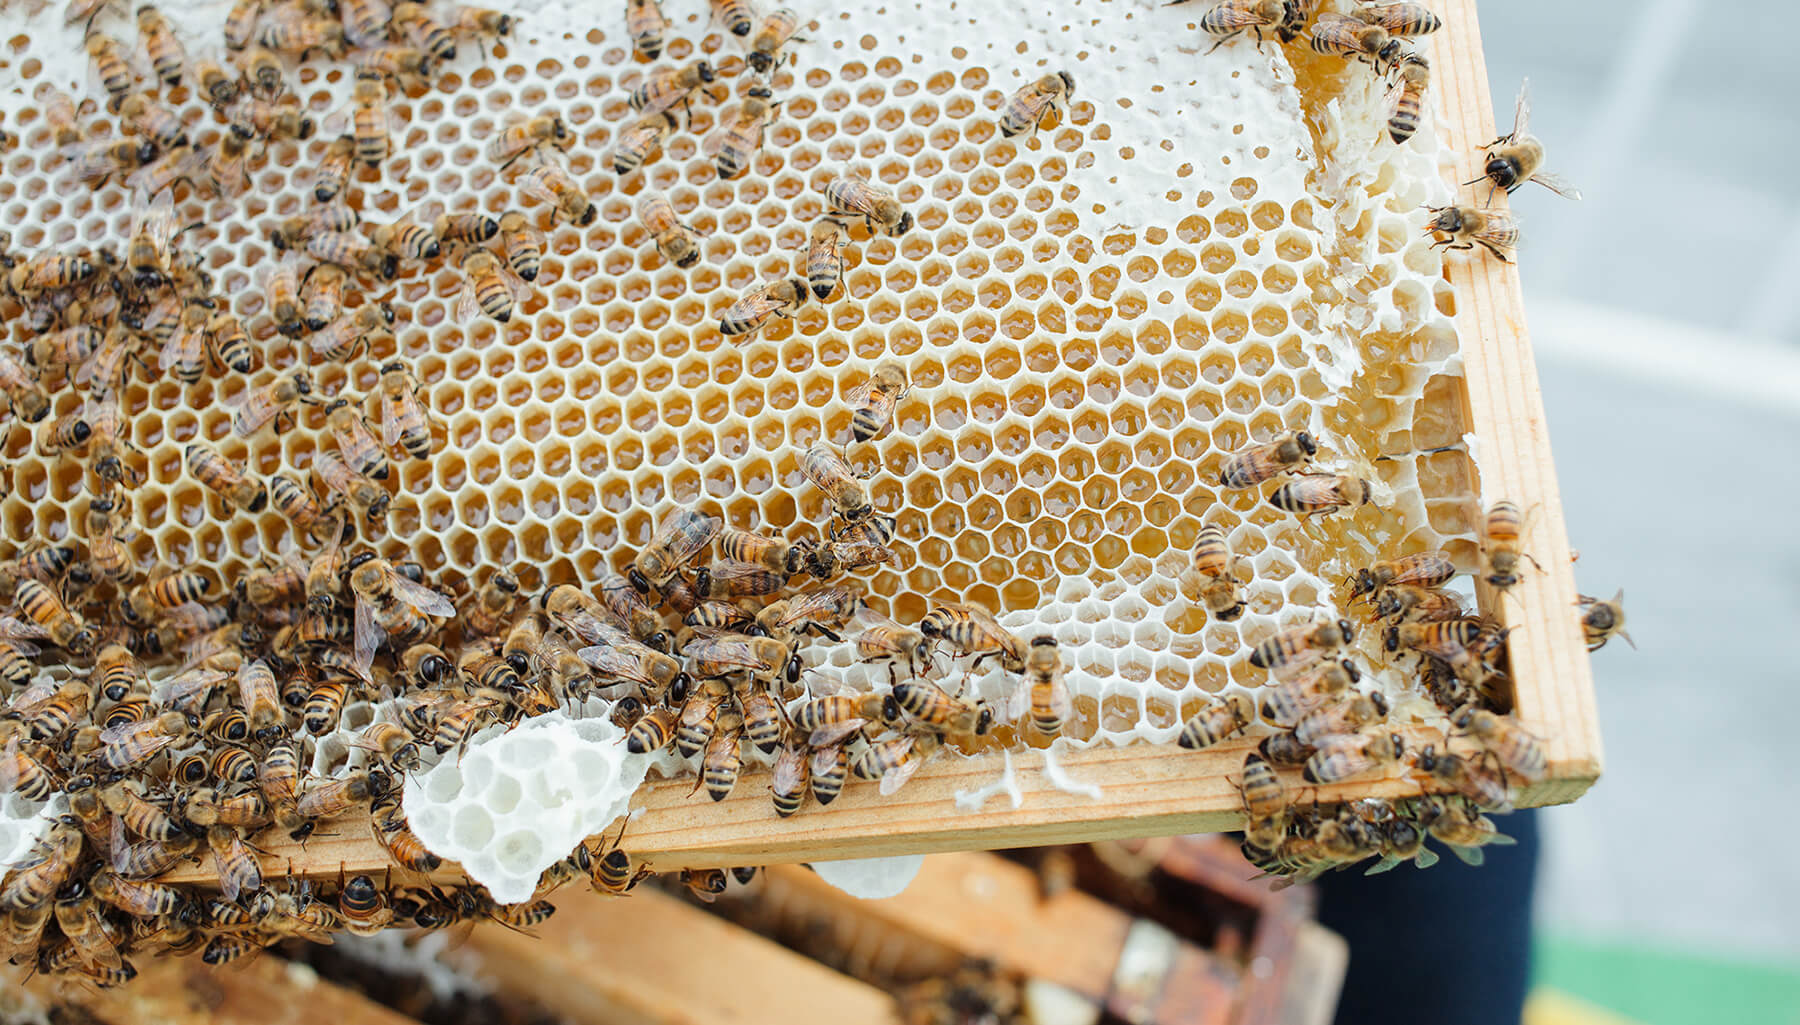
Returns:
(1450,945)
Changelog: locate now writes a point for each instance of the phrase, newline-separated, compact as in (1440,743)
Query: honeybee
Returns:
(1417,604)
(1518,157)
(1251,466)
(260,699)
(776,554)
(36,878)
(789,779)
(488,287)
(65,628)
(882,639)
(1425,569)
(493,604)
(281,290)
(665,89)
(1407,108)
(642,141)
(523,245)
(359,329)
(1353,38)
(677,242)
(129,744)
(111,67)
(1500,552)
(1341,718)
(566,197)
(363,905)
(216,85)
(1518,750)
(332,798)
(893,761)
(973,630)
(84,928)
(404,422)
(1464,227)
(224,478)
(678,538)
(423,33)
(1025,109)
(729,578)
(354,442)
(1231,18)
(825,256)
(1265,802)
(166,589)
(1219,721)
(69,431)
(872,403)
(292,32)
(1479,780)
(723,756)
(153,121)
(224,171)
(524,134)
(143,899)
(324,706)
(353,252)
(653,732)
(25,774)
(1601,621)
(1447,640)
(829,720)
(645,24)
(183,356)
(1321,494)
(752,310)
(716,655)
(407,239)
(389,605)
(1286,703)
(370,120)
(465,228)
(1459,825)
(1217,577)
(932,708)
(167,57)
(238,871)
(481,24)
(843,488)
(820,610)
(263,68)
(47,712)
(324,286)
(738,17)
(1049,692)
(1337,758)
(876,205)
(1302,644)
(764,720)
(1400,19)
(772,34)
(16,665)
(409,67)
(254,408)
(27,398)
(401,843)
(240,23)
(333,170)
(295,501)
(50,271)
(60,116)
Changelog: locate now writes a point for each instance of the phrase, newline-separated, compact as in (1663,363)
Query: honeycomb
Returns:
(1209,250)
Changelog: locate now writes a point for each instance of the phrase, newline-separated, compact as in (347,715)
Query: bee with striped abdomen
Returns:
(1026,109)
(677,242)
(1518,157)
(645,24)
(772,36)
(875,205)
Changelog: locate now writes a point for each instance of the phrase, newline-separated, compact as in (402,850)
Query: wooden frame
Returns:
(1164,791)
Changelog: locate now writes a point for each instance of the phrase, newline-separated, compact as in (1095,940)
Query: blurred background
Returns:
(1665,312)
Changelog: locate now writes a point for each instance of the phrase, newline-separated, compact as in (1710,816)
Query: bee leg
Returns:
(1492,248)
(1225,39)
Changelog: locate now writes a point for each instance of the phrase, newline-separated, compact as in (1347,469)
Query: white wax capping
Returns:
(871,878)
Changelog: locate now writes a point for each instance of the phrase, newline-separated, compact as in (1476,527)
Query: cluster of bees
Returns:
(1373,32)
(697,653)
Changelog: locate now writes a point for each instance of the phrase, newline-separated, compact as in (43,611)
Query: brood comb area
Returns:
(1203,252)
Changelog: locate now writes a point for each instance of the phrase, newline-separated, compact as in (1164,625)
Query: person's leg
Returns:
(1450,945)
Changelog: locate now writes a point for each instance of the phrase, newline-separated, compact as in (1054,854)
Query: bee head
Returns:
(1068,82)
(704,70)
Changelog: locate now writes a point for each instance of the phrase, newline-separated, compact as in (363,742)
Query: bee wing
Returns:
(466,305)
(1387,862)
(157,220)
(1426,857)
(194,682)
(368,636)
(755,306)
(11,627)
(391,414)
(896,777)
(859,395)
(715,140)
(9,769)
(789,772)
(29,649)
(127,731)
(118,849)
(832,733)
(380,14)
(1470,856)
(1522,111)
(251,408)
(1557,185)
(536,183)
(423,598)
(1016,704)
(33,697)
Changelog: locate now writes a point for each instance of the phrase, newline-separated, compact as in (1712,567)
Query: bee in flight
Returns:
(1026,109)
(1518,157)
